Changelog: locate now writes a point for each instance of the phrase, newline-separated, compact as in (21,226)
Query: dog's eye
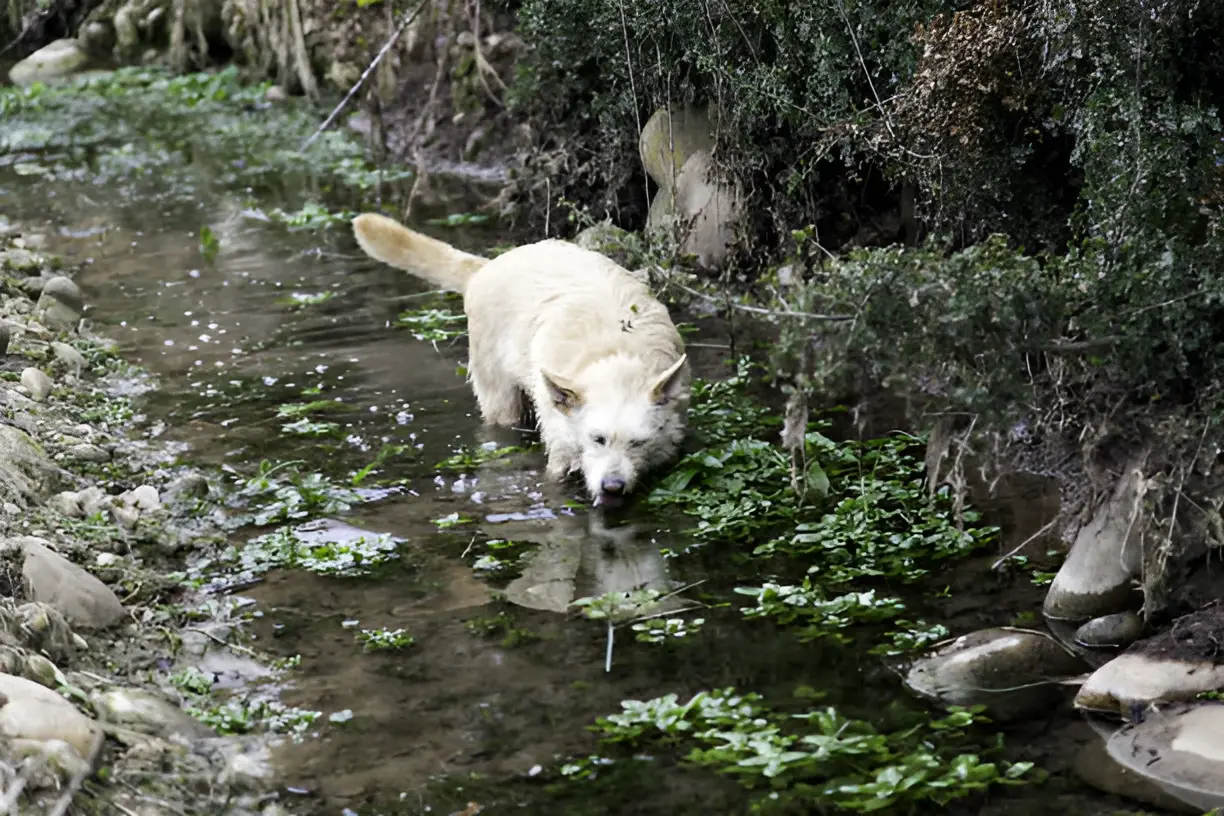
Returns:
(599,439)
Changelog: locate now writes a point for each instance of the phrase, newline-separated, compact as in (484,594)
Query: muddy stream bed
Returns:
(500,680)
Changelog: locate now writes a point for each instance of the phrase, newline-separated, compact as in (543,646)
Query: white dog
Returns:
(580,336)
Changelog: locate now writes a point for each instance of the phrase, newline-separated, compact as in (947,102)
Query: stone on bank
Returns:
(54,62)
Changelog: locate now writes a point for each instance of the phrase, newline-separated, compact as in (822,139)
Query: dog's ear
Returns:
(668,385)
(564,394)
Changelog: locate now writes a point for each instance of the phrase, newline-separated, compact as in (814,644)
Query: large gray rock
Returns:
(34,712)
(37,383)
(147,713)
(1096,767)
(1099,576)
(51,63)
(669,138)
(1175,665)
(24,466)
(60,305)
(1180,750)
(1013,672)
(702,211)
(83,600)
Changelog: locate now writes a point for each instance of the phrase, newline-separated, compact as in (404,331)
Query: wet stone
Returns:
(1098,577)
(1013,672)
(1110,631)
(1097,768)
(1180,750)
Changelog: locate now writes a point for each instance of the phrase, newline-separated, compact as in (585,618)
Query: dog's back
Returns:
(564,306)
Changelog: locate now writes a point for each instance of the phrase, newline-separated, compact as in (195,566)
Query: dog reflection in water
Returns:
(582,557)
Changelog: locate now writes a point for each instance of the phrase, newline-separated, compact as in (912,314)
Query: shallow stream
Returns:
(278,317)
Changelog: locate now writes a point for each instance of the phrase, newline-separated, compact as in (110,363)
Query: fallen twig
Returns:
(395,35)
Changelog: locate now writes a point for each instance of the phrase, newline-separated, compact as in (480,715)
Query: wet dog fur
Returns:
(570,331)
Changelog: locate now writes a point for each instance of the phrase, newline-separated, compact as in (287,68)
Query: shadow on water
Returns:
(500,679)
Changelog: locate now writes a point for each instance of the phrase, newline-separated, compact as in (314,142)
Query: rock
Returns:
(69,357)
(623,247)
(53,62)
(1098,577)
(97,38)
(84,601)
(144,499)
(44,628)
(189,486)
(37,383)
(63,763)
(1097,768)
(23,465)
(60,305)
(34,712)
(1110,631)
(6,336)
(88,453)
(66,504)
(702,209)
(1180,750)
(1172,666)
(93,500)
(248,765)
(147,713)
(22,261)
(125,517)
(127,31)
(1014,672)
(669,139)
(41,670)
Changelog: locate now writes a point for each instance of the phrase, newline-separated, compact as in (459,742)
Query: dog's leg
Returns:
(564,456)
(499,397)
(500,403)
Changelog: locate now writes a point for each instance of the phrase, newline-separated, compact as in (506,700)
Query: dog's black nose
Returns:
(613,486)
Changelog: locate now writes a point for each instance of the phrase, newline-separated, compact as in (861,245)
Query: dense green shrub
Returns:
(1065,160)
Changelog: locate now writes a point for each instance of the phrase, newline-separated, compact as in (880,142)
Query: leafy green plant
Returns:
(373,640)
(817,759)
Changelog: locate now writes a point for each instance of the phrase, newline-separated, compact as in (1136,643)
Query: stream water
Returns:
(457,717)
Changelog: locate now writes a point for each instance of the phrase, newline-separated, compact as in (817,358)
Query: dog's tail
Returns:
(394,244)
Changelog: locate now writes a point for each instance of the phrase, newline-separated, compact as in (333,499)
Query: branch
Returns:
(395,35)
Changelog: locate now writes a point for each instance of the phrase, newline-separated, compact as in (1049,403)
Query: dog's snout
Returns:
(614,487)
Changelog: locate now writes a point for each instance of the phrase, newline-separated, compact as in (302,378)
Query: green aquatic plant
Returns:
(281,493)
(818,759)
(288,548)
(639,606)
(433,325)
(467,459)
(376,640)
(819,616)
